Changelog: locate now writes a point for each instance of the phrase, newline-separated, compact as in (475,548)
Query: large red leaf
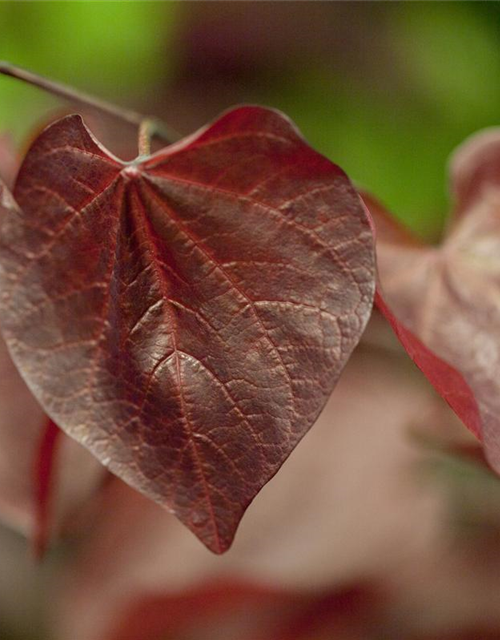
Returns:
(448,296)
(186,316)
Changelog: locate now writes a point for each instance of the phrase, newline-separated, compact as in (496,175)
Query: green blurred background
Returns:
(384,89)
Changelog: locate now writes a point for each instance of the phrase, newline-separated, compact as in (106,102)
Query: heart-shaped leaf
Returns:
(186,316)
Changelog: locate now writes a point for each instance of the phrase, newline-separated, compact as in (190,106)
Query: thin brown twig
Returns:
(158,128)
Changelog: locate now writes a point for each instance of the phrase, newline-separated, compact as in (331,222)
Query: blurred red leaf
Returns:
(261,613)
(449,382)
(448,296)
(187,315)
(45,466)
(445,379)
(177,614)
(352,613)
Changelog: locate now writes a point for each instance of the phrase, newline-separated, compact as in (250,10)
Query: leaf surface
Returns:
(355,466)
(448,296)
(187,315)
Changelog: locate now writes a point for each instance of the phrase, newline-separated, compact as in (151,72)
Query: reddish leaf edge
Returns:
(446,380)
(44,477)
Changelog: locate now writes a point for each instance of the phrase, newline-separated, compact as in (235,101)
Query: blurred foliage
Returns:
(397,157)
(472,492)
(395,139)
(114,49)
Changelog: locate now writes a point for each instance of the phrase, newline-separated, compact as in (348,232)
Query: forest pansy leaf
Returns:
(186,316)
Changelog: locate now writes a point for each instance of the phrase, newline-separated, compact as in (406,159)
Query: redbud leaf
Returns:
(186,316)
